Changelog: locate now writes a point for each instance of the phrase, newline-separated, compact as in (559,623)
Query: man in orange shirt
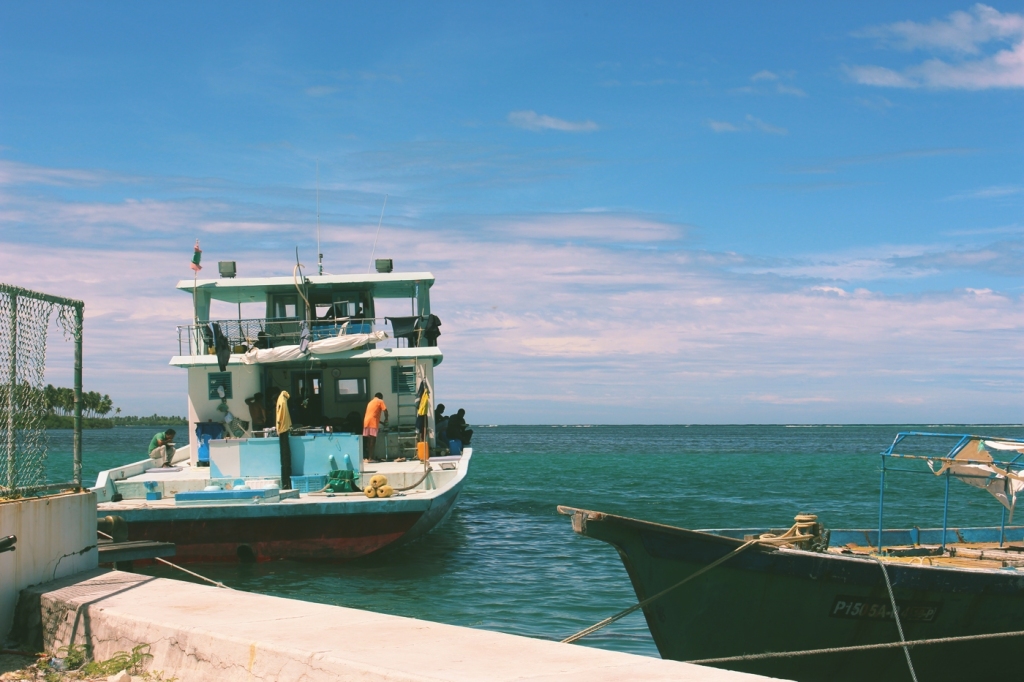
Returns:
(371,423)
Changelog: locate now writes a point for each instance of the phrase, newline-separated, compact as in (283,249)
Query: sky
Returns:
(635,212)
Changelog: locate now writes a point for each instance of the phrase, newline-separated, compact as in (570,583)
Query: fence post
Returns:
(77,447)
(11,388)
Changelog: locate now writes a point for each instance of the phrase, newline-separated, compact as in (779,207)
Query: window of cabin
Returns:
(403,380)
(286,307)
(350,389)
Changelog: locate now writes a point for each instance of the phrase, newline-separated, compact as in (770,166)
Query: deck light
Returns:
(384,265)
(227,268)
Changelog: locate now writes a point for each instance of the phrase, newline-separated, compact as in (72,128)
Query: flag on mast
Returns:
(196,258)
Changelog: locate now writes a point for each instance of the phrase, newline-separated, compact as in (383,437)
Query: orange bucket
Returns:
(423,450)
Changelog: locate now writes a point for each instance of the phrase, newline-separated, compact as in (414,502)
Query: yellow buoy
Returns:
(370,491)
(378,480)
(385,491)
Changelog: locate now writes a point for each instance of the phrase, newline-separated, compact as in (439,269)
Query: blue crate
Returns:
(309,484)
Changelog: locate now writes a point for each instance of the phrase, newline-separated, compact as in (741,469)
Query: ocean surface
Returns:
(506,560)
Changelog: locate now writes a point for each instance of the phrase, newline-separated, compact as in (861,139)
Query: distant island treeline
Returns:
(60,408)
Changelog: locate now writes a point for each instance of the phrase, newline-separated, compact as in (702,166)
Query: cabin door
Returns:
(307,395)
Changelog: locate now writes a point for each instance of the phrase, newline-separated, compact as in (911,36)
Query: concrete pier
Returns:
(199,633)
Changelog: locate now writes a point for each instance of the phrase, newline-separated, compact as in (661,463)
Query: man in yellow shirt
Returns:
(371,424)
(284,425)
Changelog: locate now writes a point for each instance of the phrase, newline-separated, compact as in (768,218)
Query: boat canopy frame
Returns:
(961,441)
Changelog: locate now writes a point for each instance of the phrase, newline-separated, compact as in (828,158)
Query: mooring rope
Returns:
(621,614)
(896,616)
(180,568)
(857,647)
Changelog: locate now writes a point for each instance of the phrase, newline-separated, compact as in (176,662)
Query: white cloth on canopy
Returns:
(334,344)
(974,466)
(1003,445)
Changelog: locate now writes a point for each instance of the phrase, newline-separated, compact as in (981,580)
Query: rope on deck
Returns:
(896,616)
(180,568)
(858,647)
(621,614)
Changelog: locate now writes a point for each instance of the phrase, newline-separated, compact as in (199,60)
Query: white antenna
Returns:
(320,256)
(370,266)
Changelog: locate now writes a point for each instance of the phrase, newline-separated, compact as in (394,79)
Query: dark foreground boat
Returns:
(815,589)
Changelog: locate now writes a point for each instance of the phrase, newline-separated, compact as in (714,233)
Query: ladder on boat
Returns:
(403,428)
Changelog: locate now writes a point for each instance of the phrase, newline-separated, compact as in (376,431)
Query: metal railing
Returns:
(243,334)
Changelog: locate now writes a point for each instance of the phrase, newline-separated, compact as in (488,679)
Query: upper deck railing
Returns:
(241,335)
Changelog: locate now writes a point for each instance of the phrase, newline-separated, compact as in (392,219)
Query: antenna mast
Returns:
(372,253)
(320,256)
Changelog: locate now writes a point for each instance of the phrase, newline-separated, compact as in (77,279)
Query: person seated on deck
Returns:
(161,447)
(353,424)
(441,427)
(457,428)
(371,424)
(257,412)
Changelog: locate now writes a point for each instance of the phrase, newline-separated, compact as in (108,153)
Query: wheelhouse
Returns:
(250,336)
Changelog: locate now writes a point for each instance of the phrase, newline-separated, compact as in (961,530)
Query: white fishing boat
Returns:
(226,495)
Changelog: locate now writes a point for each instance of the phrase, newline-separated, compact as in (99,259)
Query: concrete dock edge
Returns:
(200,634)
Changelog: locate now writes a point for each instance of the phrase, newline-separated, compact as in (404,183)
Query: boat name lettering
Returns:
(871,609)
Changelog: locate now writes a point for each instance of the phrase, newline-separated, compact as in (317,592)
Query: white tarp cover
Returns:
(335,344)
(1003,445)
(974,466)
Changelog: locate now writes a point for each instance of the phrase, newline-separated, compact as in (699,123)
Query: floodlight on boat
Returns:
(384,265)
(227,268)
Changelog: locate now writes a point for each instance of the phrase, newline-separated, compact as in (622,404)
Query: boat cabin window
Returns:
(337,304)
(403,380)
(325,311)
(349,389)
(285,307)
(306,386)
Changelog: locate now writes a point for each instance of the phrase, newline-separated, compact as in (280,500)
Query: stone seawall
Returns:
(200,634)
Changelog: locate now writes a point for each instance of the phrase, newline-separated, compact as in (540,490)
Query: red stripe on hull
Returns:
(309,538)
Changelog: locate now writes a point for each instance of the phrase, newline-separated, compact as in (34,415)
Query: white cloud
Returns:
(766,127)
(782,400)
(588,227)
(722,126)
(750,123)
(783,89)
(965,35)
(963,32)
(15,173)
(767,82)
(878,103)
(320,90)
(563,317)
(531,120)
(996,192)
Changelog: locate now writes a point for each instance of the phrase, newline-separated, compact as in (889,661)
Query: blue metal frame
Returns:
(962,440)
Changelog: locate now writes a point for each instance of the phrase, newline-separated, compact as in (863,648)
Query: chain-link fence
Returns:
(24,324)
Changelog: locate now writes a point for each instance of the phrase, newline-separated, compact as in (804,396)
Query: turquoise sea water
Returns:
(505,560)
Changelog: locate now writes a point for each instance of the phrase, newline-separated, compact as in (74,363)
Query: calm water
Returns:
(505,560)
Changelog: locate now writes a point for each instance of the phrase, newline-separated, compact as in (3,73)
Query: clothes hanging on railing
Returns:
(220,345)
(431,328)
(405,328)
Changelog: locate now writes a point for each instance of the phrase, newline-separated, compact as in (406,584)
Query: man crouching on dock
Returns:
(161,447)
(371,424)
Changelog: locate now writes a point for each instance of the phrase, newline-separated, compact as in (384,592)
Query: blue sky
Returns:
(672,212)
